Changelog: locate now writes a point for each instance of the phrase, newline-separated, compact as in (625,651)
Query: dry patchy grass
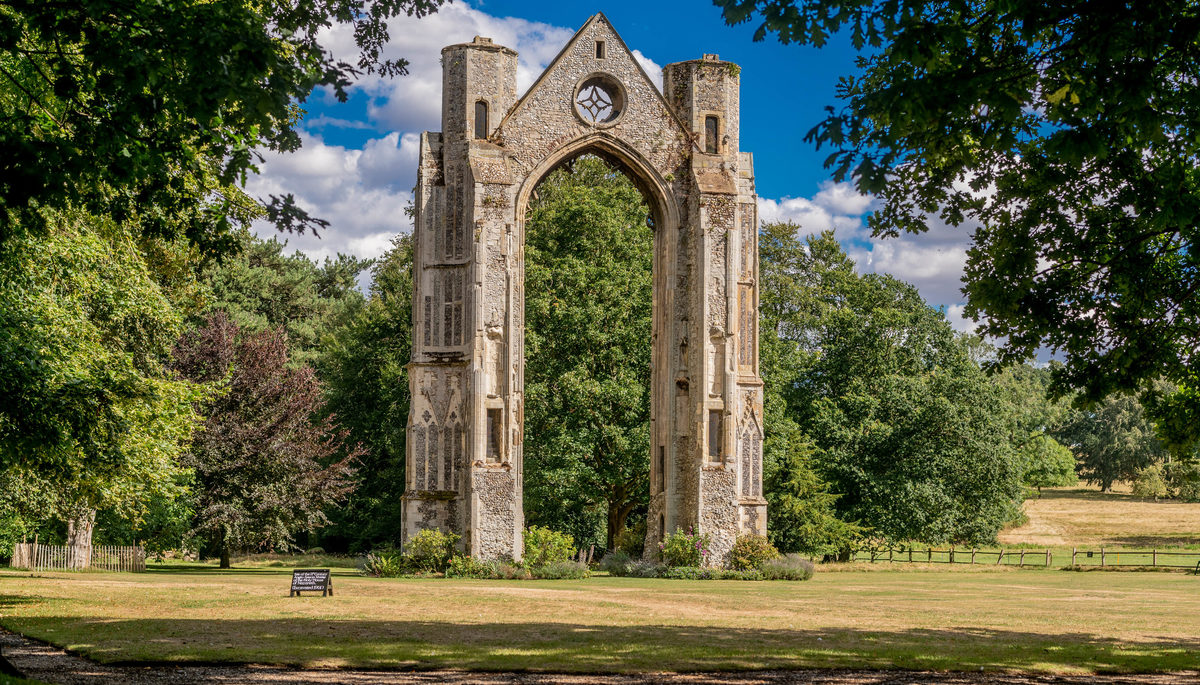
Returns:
(1086,517)
(1050,621)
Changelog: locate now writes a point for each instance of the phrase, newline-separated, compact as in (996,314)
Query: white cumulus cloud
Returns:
(362,193)
(933,261)
(414,102)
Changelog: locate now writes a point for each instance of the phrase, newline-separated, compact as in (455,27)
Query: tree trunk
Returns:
(223,545)
(612,528)
(79,539)
(618,514)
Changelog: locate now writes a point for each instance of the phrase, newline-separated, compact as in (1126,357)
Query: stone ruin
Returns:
(475,179)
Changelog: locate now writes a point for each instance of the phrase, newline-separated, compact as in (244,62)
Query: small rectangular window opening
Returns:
(711,130)
(714,434)
(599,49)
(662,468)
(494,432)
(481,120)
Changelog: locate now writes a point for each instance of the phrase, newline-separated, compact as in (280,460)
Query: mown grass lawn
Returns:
(1083,516)
(1050,621)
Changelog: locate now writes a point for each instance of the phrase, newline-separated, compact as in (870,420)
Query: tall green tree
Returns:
(148,116)
(264,468)
(364,368)
(903,420)
(1067,134)
(799,282)
(588,255)
(1113,440)
(262,287)
(146,109)
(1046,463)
(90,414)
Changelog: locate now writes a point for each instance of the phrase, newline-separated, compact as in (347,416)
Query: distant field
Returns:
(1086,517)
(990,619)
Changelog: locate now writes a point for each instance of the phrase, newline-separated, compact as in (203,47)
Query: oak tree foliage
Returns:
(1113,440)
(588,256)
(1064,136)
(153,110)
(904,422)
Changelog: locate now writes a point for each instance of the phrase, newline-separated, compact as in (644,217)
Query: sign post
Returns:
(311,580)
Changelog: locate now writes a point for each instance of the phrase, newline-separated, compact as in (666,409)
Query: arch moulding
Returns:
(465,440)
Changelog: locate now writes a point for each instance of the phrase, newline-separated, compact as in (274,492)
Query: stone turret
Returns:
(479,85)
(704,95)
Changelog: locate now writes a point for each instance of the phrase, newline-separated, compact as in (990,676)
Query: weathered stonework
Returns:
(475,180)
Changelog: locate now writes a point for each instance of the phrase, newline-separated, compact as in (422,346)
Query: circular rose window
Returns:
(599,100)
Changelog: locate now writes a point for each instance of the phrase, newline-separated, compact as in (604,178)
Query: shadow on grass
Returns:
(196,569)
(1090,495)
(12,601)
(581,647)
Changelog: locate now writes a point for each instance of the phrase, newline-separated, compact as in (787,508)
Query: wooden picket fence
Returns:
(38,557)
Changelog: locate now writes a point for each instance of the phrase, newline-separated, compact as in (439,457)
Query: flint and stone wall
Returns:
(467,373)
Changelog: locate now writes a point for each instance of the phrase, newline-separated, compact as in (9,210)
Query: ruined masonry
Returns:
(467,373)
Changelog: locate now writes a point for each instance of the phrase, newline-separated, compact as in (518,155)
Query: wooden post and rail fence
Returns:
(1083,558)
(38,557)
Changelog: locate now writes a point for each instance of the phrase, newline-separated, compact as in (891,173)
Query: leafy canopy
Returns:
(903,423)
(1065,136)
(263,287)
(588,256)
(1112,439)
(85,330)
(266,463)
(1047,463)
(133,108)
(363,365)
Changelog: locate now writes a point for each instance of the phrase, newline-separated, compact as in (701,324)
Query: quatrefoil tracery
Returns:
(595,103)
(599,100)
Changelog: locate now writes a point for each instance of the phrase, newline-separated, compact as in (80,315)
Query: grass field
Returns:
(1085,517)
(1049,621)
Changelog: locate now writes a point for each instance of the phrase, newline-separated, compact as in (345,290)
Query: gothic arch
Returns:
(613,150)
(467,370)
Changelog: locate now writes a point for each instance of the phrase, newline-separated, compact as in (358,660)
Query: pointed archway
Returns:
(680,146)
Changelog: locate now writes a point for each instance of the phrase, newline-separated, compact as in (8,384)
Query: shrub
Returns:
(709,573)
(646,569)
(632,541)
(616,563)
(751,551)
(386,564)
(787,567)
(512,571)
(684,549)
(1150,483)
(544,546)
(561,570)
(687,573)
(1185,479)
(462,566)
(431,550)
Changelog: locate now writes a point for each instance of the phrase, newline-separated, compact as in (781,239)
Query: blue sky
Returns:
(358,163)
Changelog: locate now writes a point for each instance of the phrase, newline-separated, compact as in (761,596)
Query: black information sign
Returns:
(311,580)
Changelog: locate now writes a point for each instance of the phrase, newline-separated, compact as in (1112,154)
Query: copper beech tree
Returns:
(266,467)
